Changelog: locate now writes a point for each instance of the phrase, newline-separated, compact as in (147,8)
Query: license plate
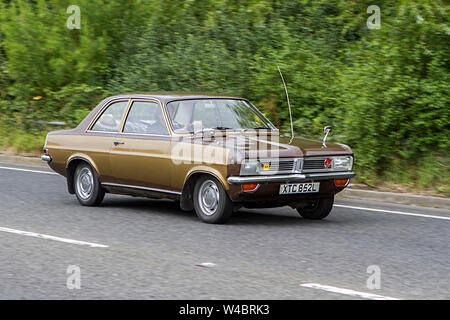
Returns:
(294,188)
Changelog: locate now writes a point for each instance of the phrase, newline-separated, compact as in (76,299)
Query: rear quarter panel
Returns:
(64,147)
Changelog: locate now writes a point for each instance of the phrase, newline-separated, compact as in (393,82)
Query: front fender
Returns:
(208,170)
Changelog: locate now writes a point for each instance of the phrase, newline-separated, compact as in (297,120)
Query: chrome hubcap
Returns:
(84,183)
(208,197)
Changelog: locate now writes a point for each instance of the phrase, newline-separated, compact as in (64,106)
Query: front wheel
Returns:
(87,187)
(211,202)
(318,210)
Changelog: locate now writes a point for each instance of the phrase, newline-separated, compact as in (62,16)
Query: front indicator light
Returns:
(341,182)
(249,186)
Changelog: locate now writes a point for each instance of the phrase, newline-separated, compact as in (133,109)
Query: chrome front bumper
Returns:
(46,158)
(298,177)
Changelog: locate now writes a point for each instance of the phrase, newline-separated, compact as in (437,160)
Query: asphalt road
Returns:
(133,248)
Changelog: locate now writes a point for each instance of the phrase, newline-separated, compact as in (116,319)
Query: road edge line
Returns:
(349,292)
(393,212)
(27,170)
(49,237)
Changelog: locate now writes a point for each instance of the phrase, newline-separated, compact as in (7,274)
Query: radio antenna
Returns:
(289,105)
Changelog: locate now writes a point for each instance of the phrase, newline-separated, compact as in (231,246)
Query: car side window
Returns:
(109,121)
(145,117)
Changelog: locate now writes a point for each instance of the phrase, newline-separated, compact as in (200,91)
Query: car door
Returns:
(140,155)
(97,142)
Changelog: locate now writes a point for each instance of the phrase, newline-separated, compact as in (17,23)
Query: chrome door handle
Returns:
(118,142)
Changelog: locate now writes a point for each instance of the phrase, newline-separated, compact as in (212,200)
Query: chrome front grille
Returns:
(295,165)
(281,165)
(314,164)
(317,164)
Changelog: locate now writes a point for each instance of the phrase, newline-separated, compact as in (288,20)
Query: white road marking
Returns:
(48,237)
(206,265)
(336,205)
(394,212)
(364,295)
(27,170)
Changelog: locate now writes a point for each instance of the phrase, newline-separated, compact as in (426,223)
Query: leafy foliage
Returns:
(384,91)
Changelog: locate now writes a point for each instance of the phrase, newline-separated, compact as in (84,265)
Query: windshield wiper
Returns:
(256,128)
(221,128)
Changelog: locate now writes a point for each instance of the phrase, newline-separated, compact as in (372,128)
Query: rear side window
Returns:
(109,121)
(145,117)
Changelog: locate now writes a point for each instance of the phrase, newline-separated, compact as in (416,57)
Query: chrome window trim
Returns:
(144,134)
(139,187)
(247,102)
(255,109)
(127,112)
(96,131)
(134,134)
(103,109)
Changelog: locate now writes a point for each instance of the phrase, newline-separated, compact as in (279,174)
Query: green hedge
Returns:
(384,91)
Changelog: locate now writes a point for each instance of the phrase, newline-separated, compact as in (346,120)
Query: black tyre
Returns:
(318,210)
(87,187)
(211,202)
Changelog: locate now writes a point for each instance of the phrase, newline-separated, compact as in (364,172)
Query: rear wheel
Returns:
(318,210)
(87,187)
(211,202)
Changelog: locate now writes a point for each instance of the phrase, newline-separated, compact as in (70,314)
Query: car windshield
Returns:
(188,116)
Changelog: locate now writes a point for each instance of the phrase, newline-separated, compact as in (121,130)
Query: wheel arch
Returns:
(72,163)
(186,199)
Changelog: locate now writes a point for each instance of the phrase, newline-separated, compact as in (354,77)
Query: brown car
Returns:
(211,153)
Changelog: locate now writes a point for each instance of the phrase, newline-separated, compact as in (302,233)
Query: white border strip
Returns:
(48,237)
(27,170)
(394,212)
(348,292)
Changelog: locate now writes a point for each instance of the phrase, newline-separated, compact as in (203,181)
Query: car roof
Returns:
(165,97)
